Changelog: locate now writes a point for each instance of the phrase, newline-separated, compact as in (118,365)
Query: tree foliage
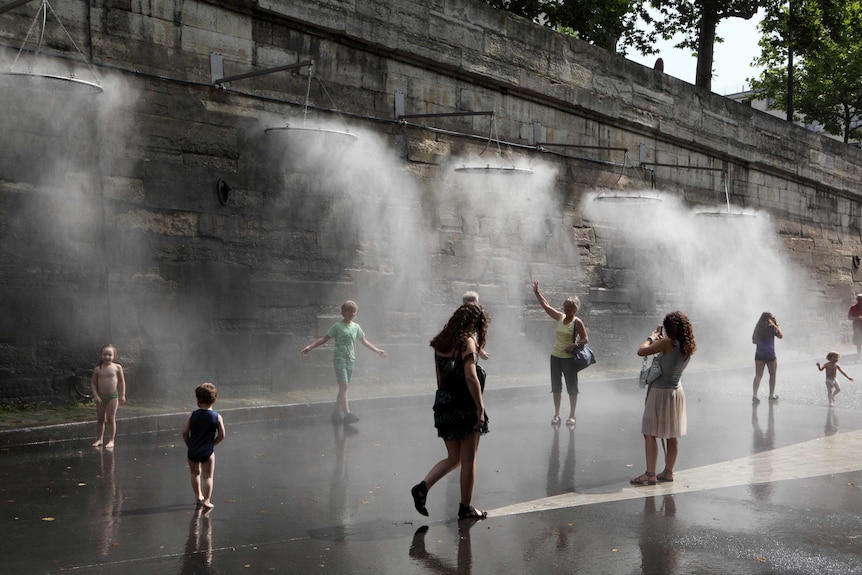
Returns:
(696,20)
(825,39)
(621,24)
(610,24)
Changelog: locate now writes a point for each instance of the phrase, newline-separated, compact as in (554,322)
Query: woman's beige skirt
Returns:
(664,413)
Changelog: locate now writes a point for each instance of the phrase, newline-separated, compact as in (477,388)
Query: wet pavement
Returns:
(771,488)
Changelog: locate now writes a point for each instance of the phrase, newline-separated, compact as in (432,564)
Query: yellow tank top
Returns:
(564,335)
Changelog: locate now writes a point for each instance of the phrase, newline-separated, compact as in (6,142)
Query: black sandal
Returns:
(470,512)
(646,478)
(420,494)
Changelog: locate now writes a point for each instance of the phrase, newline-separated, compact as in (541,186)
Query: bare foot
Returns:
(199,502)
(207,503)
(98,443)
(109,445)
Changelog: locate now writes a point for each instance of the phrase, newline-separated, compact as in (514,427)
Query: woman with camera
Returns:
(664,413)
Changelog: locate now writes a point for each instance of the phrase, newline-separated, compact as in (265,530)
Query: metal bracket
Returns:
(400,106)
(537,136)
(219,79)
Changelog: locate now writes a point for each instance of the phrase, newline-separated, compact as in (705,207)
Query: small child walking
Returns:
(203,430)
(108,387)
(832,368)
(345,333)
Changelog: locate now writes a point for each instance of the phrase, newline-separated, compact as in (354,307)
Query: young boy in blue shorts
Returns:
(345,333)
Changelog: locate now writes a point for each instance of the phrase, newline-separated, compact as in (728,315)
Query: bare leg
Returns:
(573,403)
(651,449)
(436,473)
(100,422)
(772,366)
(341,402)
(111,420)
(758,375)
(444,466)
(651,452)
(670,456)
(207,471)
(558,396)
(836,389)
(195,469)
(469,449)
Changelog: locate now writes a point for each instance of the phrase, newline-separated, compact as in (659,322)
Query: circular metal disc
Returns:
(626,198)
(48,83)
(511,171)
(322,132)
(720,214)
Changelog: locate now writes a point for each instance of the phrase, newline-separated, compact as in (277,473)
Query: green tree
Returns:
(696,20)
(609,24)
(620,24)
(811,51)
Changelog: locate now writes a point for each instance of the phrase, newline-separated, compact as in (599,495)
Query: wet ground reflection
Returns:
(304,494)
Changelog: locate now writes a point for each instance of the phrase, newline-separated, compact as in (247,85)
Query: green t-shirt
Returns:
(345,337)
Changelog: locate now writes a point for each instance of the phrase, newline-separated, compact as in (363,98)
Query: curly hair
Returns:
(467,320)
(678,328)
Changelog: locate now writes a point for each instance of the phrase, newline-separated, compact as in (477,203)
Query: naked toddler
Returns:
(832,368)
(108,387)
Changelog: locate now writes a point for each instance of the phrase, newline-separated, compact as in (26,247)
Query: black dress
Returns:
(454,408)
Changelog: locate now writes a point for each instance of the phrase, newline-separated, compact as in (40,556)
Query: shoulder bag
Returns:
(583,356)
(650,372)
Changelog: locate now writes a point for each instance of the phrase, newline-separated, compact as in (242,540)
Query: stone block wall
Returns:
(112,228)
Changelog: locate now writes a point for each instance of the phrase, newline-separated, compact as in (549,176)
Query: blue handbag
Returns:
(583,357)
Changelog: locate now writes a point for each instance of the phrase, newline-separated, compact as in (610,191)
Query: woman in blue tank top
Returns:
(763,337)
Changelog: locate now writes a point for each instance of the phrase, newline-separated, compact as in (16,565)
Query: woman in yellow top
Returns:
(565,344)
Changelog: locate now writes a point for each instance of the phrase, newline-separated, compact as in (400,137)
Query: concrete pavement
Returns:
(771,488)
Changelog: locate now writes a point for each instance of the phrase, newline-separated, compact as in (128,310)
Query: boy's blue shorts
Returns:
(343,369)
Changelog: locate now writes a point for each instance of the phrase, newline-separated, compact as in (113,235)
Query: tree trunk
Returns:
(705,50)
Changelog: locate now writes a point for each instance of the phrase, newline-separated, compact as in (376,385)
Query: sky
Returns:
(732,62)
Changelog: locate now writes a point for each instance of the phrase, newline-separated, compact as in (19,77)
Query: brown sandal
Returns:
(664,477)
(646,478)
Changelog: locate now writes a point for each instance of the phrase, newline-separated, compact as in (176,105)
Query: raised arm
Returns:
(556,314)
(655,343)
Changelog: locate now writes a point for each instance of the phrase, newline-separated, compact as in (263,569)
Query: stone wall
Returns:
(112,228)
